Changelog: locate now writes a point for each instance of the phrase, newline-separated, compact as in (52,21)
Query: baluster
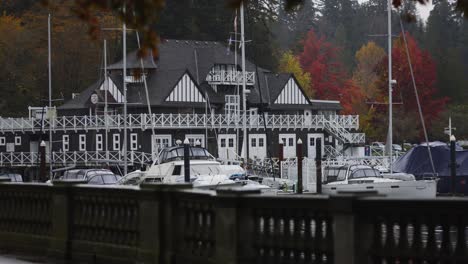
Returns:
(460,250)
(445,247)
(403,247)
(431,246)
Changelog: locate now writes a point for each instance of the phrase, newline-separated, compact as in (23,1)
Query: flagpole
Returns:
(124,34)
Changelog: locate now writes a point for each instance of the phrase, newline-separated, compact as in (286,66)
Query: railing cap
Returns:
(236,191)
(166,187)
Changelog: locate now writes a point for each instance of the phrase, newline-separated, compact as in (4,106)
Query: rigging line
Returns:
(417,97)
(146,91)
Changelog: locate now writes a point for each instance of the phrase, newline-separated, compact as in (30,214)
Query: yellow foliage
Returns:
(367,57)
(290,63)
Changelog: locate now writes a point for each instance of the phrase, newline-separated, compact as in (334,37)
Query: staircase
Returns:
(339,132)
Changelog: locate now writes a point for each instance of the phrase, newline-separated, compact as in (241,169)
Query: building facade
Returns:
(194,91)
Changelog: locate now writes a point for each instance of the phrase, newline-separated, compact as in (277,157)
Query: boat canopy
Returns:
(416,161)
(177,153)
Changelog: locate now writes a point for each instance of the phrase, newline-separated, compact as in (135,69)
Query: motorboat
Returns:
(205,171)
(366,179)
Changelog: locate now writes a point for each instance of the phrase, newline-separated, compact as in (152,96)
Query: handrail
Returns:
(169,121)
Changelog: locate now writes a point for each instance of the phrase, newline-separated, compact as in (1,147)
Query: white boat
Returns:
(205,171)
(365,179)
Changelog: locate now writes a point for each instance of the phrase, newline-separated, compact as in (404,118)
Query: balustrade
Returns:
(176,224)
(165,121)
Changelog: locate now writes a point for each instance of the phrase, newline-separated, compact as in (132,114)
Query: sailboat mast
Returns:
(124,33)
(244,94)
(106,90)
(50,96)
(390,99)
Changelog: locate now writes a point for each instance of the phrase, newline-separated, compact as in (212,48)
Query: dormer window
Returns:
(228,74)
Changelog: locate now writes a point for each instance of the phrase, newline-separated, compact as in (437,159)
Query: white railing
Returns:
(230,77)
(171,121)
(382,161)
(74,158)
(332,152)
(338,125)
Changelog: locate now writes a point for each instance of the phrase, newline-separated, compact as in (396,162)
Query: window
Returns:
(2,141)
(253,142)
(231,142)
(96,180)
(82,143)
(177,170)
(260,142)
(116,141)
(311,141)
(283,140)
(133,141)
(291,142)
(65,143)
(223,142)
(18,141)
(99,145)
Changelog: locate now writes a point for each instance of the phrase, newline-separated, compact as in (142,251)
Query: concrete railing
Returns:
(175,224)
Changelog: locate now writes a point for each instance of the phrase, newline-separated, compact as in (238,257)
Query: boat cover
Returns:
(416,161)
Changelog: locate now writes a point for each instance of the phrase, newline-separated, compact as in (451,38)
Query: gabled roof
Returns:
(133,62)
(196,58)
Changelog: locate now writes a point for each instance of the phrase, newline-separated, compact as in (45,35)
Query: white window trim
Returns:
(82,143)
(133,141)
(65,142)
(17,141)
(2,141)
(116,142)
(99,142)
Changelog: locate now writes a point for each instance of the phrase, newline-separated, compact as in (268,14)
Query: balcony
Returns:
(220,77)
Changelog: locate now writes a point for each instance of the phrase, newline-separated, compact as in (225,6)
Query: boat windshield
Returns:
(198,169)
(335,174)
(362,173)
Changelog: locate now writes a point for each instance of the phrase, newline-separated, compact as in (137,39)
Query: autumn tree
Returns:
(424,70)
(290,63)
(319,58)
(365,76)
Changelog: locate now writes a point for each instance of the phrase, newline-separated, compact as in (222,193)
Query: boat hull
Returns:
(403,189)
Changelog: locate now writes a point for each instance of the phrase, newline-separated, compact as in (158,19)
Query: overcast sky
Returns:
(423,10)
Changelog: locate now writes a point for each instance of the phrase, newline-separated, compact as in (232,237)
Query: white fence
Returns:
(74,158)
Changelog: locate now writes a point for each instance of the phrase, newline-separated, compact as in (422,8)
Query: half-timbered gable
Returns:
(186,90)
(292,94)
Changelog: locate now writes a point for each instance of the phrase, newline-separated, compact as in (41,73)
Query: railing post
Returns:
(60,241)
(156,244)
(352,235)
(234,228)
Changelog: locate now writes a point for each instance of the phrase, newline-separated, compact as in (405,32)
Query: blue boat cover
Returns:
(416,161)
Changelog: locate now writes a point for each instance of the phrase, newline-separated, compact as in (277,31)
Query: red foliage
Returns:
(353,99)
(319,58)
(424,70)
